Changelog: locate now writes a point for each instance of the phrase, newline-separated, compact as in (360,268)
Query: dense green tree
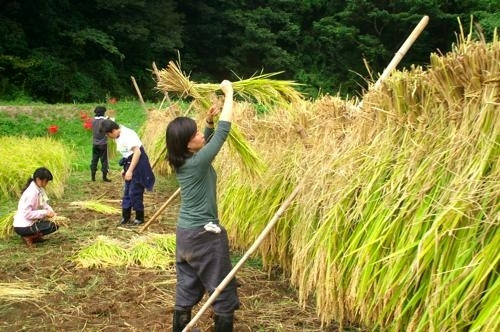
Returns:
(62,50)
(59,50)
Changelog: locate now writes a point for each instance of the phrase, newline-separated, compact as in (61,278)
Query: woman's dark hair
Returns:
(41,173)
(108,126)
(179,133)
(100,110)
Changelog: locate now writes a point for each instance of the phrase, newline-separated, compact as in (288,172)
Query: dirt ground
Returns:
(125,299)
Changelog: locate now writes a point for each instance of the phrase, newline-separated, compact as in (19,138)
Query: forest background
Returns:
(60,51)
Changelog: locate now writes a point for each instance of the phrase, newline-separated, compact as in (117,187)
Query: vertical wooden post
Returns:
(138,92)
(157,74)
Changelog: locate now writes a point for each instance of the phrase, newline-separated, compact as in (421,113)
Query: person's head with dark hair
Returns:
(110,128)
(180,133)
(41,176)
(100,111)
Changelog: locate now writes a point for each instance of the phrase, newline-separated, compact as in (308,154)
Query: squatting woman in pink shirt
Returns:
(30,220)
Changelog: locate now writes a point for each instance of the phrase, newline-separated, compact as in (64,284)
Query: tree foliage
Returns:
(61,50)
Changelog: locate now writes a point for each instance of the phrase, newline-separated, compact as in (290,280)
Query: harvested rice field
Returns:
(43,289)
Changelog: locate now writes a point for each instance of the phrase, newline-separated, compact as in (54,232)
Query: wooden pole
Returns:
(250,251)
(399,54)
(138,92)
(157,74)
(160,210)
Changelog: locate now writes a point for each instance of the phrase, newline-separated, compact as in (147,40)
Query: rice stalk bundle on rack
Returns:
(152,135)
(22,155)
(397,227)
(20,291)
(259,88)
(96,205)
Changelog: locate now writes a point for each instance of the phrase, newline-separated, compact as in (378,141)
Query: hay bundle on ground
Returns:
(96,205)
(103,252)
(155,251)
(148,251)
(20,291)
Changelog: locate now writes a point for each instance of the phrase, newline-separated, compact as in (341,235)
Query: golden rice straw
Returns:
(20,291)
(96,205)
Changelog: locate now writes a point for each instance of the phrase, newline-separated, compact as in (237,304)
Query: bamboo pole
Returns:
(399,54)
(160,210)
(249,252)
(157,74)
(138,92)
(402,50)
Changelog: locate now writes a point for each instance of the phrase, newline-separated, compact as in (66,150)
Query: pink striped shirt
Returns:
(32,206)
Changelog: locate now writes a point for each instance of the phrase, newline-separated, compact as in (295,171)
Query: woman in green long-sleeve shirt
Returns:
(202,251)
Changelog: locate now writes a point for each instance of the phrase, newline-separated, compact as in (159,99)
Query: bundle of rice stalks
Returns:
(6,229)
(149,251)
(60,220)
(154,251)
(22,155)
(103,252)
(96,205)
(20,291)
(153,138)
(259,88)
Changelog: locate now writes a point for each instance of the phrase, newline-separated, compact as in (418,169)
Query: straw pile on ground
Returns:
(397,226)
(148,251)
(20,291)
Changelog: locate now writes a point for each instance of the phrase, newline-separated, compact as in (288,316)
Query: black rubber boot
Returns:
(139,217)
(126,213)
(105,177)
(92,175)
(181,319)
(224,323)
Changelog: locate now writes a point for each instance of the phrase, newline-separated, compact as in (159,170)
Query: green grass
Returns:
(33,120)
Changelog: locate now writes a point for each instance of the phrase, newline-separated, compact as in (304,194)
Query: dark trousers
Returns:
(45,227)
(99,152)
(133,195)
(202,262)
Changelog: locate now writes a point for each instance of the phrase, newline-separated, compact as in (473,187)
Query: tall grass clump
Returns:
(22,155)
(397,225)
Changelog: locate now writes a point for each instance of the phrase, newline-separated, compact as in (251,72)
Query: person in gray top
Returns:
(202,246)
(99,145)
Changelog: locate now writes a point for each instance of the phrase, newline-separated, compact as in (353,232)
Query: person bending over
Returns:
(136,173)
